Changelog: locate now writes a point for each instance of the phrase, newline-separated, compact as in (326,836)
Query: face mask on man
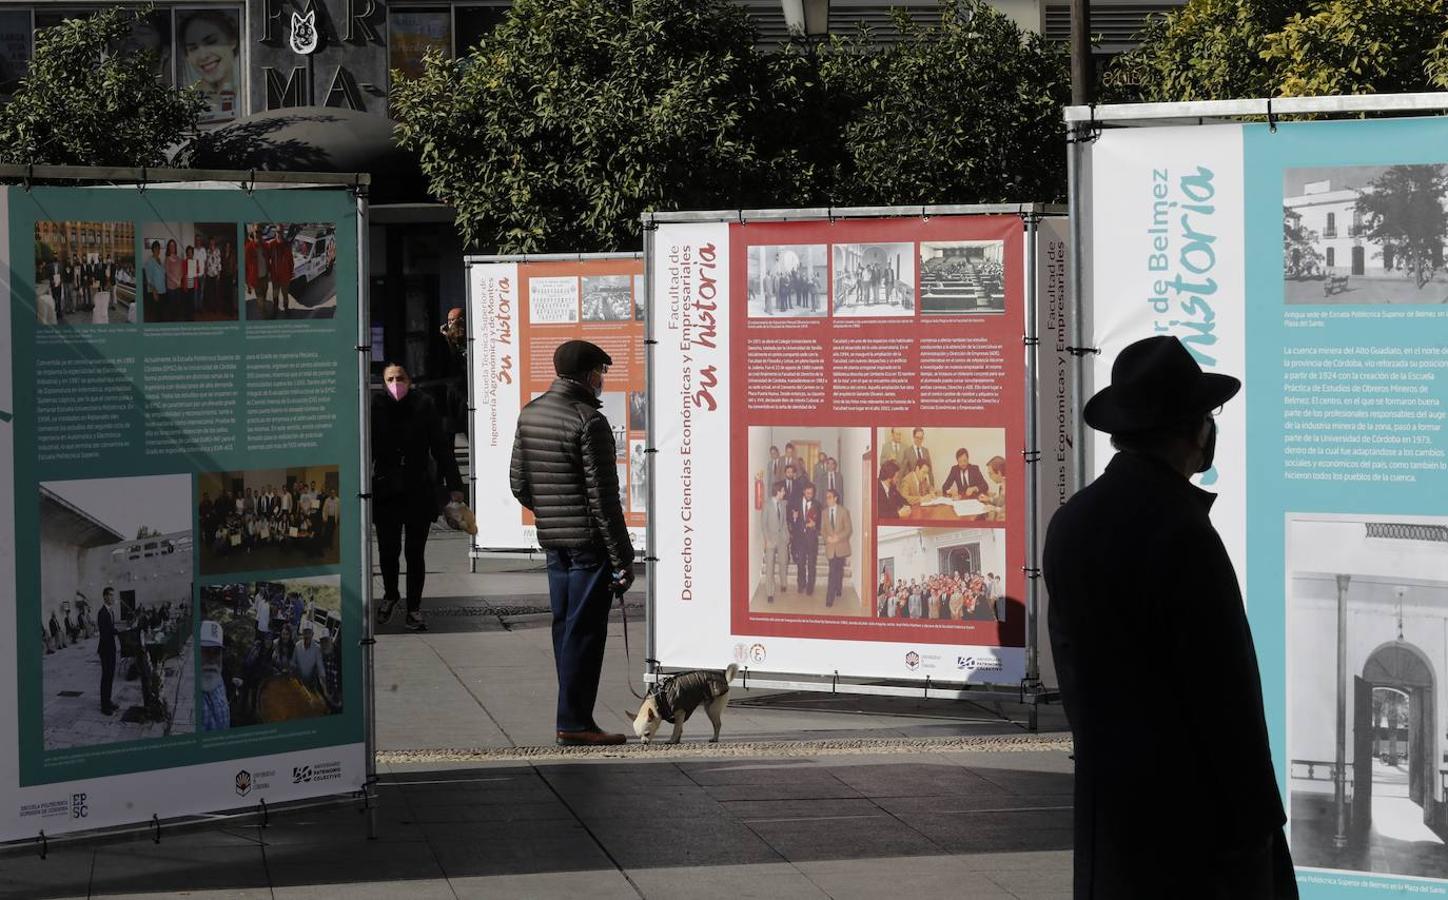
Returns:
(1209,449)
(398,389)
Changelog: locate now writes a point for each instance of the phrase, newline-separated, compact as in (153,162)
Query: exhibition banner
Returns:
(840,405)
(1308,259)
(179,480)
(521,310)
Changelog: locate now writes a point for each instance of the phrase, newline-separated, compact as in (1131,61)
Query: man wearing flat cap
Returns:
(564,470)
(1175,791)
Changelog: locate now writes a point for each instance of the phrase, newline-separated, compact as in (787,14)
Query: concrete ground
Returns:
(806,795)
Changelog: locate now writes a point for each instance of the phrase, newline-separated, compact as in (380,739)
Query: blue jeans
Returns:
(580,593)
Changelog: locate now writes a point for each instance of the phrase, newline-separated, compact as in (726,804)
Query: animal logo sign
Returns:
(305,35)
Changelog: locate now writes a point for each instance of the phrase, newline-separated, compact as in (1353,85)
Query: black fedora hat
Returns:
(1155,382)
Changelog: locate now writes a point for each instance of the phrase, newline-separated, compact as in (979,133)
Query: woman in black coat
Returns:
(412,462)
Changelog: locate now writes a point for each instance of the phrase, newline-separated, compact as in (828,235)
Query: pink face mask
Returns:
(398,389)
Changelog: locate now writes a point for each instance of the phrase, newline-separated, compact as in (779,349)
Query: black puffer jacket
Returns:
(413,457)
(565,471)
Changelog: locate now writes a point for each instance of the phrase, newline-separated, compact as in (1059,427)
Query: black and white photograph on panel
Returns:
(789,280)
(962,277)
(1373,592)
(874,279)
(638,411)
(1365,234)
(115,610)
(607,298)
(638,474)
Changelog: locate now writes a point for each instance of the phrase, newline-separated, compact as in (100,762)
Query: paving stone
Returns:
(594,885)
(905,876)
(845,837)
(778,881)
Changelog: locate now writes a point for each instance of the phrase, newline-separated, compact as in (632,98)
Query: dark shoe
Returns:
(589,739)
(385,608)
(415,622)
(771,598)
(108,710)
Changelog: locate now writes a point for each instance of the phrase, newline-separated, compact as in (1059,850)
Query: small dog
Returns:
(675,698)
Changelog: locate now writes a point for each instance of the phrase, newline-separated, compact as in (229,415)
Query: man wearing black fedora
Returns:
(1175,791)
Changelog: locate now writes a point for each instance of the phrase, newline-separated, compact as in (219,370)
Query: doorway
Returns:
(962,558)
(1394,739)
(1359,262)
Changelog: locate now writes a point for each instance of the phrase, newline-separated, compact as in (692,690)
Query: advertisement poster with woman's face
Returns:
(208,46)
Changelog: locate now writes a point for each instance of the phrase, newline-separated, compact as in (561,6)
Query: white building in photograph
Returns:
(1331,214)
(1368,705)
(80,556)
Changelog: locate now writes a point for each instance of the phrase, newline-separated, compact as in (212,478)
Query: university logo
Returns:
(301,774)
(243,783)
(79,809)
(912,660)
(756,653)
(305,36)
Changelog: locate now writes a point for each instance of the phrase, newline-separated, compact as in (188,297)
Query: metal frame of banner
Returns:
(1085,124)
(359,183)
(474,551)
(1030,691)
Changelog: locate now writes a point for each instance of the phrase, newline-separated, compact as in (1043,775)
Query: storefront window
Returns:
(14,49)
(412,33)
(475,22)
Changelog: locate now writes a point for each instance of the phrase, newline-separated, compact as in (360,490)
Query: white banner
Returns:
(495,365)
(1166,217)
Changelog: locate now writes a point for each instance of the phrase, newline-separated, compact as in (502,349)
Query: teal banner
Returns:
(182,429)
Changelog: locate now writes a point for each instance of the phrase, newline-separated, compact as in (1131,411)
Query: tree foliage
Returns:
(1357,47)
(968,110)
(1224,49)
(1205,50)
(1299,246)
(574,117)
(1402,208)
(81,105)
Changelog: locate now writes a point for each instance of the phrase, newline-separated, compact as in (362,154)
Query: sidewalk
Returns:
(805,795)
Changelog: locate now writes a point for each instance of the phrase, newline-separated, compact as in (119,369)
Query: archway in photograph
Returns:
(961,558)
(1393,736)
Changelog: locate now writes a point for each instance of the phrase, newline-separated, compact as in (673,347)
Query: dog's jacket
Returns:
(686,692)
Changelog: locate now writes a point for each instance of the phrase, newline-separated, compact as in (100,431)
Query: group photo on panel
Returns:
(808,517)
(85,273)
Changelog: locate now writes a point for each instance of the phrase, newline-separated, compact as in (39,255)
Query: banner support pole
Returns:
(1075,210)
(650,645)
(1031,456)
(364,474)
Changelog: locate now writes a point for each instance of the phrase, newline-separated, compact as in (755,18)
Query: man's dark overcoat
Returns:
(1159,679)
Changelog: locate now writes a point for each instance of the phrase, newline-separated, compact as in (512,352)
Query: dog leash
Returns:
(627,655)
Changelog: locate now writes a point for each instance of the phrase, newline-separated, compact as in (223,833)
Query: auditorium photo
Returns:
(1365,234)
(1367,640)
(607,298)
(85,273)
(942,476)
(115,610)
(271,651)
(788,280)
(189,272)
(944,574)
(874,280)
(962,278)
(265,519)
(808,506)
